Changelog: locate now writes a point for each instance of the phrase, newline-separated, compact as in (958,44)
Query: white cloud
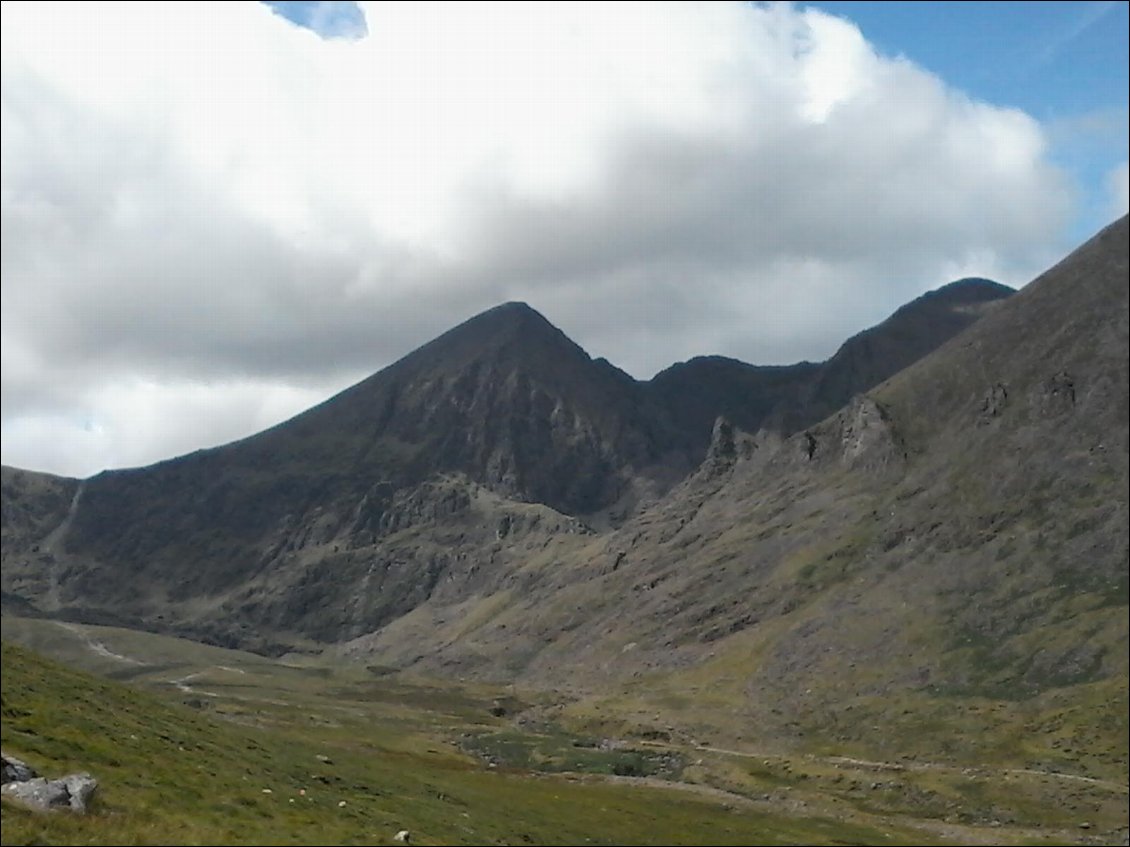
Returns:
(150,420)
(1118,184)
(201,196)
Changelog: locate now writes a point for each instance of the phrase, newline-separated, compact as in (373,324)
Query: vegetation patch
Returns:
(559,751)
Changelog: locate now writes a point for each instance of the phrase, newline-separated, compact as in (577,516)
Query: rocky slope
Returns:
(961,527)
(274,534)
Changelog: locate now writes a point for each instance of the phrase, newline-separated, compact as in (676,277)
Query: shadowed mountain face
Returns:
(509,401)
(409,482)
(504,402)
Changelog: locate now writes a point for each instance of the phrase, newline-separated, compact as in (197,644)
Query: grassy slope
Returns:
(172,774)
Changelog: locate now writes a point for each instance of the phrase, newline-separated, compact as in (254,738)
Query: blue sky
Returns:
(214,218)
(1064,63)
(331,18)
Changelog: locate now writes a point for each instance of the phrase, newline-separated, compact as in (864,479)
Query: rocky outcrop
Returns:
(15,770)
(994,402)
(867,438)
(21,783)
(727,446)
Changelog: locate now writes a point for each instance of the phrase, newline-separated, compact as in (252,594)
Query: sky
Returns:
(215,215)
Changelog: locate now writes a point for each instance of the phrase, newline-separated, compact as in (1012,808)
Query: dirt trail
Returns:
(96,646)
(182,684)
(1114,786)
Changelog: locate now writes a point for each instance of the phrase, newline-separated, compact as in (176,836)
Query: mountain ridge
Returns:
(271,527)
(788,398)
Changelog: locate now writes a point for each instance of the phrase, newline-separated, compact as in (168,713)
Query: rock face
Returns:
(277,527)
(876,354)
(21,783)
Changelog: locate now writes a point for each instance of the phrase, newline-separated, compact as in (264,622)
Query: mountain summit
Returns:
(506,399)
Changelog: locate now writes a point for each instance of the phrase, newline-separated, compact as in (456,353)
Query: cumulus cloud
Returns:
(212,218)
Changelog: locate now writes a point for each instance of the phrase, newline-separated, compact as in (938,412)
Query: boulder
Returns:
(39,793)
(21,783)
(81,787)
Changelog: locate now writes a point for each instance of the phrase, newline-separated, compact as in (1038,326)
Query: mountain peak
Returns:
(509,328)
(513,314)
(515,306)
(511,310)
(970,289)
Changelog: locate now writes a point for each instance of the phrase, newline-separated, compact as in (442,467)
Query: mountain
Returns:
(935,571)
(503,408)
(434,478)
(34,509)
(916,603)
(507,399)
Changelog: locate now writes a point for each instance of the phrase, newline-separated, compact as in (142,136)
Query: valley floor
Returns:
(194,744)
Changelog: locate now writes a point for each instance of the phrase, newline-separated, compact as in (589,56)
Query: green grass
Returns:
(488,764)
(171,774)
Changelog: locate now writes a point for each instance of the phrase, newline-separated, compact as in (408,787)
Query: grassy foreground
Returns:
(195,744)
(336,773)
